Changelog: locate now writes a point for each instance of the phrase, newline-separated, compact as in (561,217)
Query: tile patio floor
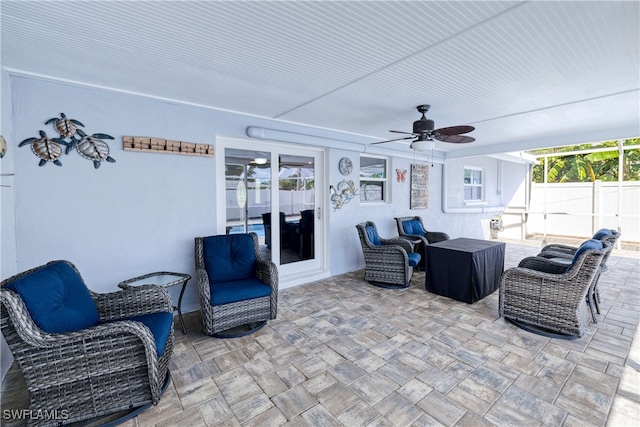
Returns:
(345,353)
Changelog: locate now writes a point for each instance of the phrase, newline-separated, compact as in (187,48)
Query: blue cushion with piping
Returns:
(589,244)
(414,258)
(373,235)
(57,298)
(603,232)
(229,257)
(413,227)
(160,325)
(238,290)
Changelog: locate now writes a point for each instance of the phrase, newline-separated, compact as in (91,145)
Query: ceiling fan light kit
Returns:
(424,132)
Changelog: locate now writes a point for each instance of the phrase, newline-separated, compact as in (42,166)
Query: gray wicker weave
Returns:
(385,264)
(567,252)
(547,295)
(426,238)
(220,318)
(91,372)
(558,252)
(429,236)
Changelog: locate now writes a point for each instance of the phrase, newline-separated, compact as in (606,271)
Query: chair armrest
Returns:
(268,273)
(132,301)
(559,249)
(403,243)
(436,236)
(70,342)
(543,265)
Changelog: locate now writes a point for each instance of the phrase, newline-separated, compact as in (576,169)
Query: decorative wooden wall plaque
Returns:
(161,145)
(419,187)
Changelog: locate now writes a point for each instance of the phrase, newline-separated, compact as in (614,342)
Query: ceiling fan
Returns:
(423,132)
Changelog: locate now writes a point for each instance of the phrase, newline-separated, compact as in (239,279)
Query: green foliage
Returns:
(583,167)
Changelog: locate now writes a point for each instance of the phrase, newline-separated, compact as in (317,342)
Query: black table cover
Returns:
(464,269)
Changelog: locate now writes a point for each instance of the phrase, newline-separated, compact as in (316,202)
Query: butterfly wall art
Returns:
(401,175)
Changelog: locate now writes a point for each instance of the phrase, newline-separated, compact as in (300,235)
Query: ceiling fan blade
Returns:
(399,131)
(391,140)
(456,139)
(454,130)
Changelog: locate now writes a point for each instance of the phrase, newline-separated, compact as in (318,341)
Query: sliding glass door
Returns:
(272,190)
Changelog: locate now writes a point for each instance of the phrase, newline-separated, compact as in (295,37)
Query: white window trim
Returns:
(482,200)
(386,180)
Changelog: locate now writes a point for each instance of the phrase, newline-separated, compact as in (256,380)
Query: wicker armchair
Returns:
(562,253)
(83,354)
(389,263)
(238,288)
(412,226)
(549,297)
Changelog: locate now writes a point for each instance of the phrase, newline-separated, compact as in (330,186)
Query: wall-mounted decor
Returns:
(161,145)
(401,175)
(48,149)
(342,193)
(90,147)
(345,166)
(419,186)
(3,146)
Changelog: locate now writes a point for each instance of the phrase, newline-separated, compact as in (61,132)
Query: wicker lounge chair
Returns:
(83,354)
(238,288)
(549,297)
(389,263)
(412,226)
(562,254)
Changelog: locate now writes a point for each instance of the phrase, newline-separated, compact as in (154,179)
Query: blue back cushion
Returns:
(589,244)
(372,234)
(229,257)
(413,227)
(57,299)
(603,232)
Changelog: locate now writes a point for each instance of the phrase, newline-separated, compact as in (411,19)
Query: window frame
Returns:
(386,187)
(481,185)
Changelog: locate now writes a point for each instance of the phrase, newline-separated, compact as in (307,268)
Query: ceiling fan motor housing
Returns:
(423,125)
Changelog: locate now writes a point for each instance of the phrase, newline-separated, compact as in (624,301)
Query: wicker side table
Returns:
(165,279)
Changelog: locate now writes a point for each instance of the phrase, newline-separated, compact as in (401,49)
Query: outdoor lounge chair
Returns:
(238,288)
(562,254)
(389,263)
(412,226)
(550,298)
(83,354)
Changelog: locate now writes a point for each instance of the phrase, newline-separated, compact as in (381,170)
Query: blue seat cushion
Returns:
(589,244)
(238,290)
(603,232)
(372,234)
(57,298)
(229,257)
(160,325)
(414,258)
(413,227)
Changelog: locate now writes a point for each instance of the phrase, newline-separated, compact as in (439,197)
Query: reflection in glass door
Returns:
(296,183)
(248,195)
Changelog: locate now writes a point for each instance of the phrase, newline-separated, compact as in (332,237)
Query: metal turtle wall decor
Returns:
(91,147)
(48,149)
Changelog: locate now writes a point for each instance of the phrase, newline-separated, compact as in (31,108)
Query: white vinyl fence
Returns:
(579,209)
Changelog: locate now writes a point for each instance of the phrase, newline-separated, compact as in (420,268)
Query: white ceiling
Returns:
(526,74)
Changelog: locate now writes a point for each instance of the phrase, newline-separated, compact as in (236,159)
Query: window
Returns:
(473,185)
(373,179)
